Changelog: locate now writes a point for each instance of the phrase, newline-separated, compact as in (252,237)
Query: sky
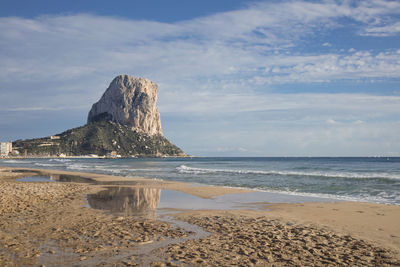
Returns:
(235,77)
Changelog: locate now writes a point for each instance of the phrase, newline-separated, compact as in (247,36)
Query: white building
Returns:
(5,148)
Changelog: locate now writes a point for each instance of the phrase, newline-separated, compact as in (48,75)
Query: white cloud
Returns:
(224,64)
(382,31)
(288,139)
(302,108)
(46,108)
(232,43)
(285,124)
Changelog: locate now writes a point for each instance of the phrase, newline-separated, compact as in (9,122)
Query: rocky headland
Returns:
(124,122)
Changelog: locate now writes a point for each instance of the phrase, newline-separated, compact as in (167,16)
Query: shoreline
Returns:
(94,157)
(365,225)
(383,195)
(200,190)
(103,179)
(301,195)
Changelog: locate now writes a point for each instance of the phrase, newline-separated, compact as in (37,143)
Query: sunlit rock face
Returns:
(129,101)
(126,200)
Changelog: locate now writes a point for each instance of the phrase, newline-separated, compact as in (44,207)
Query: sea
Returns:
(368,179)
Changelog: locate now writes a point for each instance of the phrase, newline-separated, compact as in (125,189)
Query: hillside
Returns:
(99,138)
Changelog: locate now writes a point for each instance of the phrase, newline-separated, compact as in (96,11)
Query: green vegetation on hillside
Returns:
(99,138)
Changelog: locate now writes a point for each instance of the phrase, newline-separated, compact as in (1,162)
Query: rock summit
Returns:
(131,102)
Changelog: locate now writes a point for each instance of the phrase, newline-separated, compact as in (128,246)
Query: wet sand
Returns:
(48,223)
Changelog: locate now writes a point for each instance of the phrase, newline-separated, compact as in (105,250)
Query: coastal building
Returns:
(5,148)
(113,154)
(54,137)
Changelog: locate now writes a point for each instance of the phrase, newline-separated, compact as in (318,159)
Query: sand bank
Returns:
(50,223)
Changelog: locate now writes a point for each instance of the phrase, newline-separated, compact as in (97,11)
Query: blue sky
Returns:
(236,78)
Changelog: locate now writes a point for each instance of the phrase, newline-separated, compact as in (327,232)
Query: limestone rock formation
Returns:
(124,122)
(131,102)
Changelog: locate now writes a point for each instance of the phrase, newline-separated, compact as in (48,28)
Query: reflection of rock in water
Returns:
(127,200)
(54,177)
(68,178)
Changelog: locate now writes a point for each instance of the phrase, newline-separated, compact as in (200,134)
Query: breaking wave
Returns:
(354,175)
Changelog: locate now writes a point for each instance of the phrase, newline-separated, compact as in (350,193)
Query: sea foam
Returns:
(355,175)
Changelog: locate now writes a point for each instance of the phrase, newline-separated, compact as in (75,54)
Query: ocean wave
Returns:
(386,199)
(355,175)
(383,198)
(146,169)
(108,168)
(93,168)
(47,164)
(14,161)
(61,160)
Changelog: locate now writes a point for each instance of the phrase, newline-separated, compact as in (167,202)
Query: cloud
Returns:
(66,48)
(226,67)
(46,108)
(315,106)
(331,121)
(291,139)
(382,31)
(284,124)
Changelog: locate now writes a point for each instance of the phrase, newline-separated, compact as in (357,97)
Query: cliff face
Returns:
(131,102)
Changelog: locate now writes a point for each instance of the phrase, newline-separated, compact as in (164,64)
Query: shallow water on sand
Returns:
(149,202)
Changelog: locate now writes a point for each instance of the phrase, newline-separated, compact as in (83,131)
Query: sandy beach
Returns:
(74,222)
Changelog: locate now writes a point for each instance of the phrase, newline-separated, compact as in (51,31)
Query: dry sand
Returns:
(48,224)
(379,224)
